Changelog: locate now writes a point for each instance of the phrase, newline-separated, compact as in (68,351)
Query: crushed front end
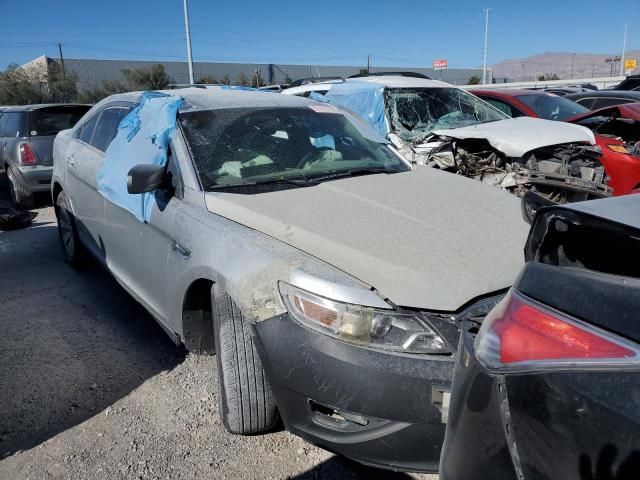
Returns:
(562,173)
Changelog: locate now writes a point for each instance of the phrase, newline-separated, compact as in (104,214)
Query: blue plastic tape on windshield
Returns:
(363,98)
(143,138)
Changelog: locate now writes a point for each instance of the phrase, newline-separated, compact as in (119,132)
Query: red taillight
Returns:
(27,157)
(518,332)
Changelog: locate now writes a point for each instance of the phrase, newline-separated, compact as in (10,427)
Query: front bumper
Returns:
(377,408)
(35,178)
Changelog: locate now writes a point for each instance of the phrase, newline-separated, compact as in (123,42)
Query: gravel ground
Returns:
(92,388)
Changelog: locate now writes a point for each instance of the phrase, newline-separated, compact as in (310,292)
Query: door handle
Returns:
(180,249)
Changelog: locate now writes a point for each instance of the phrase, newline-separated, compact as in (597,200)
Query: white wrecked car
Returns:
(436,124)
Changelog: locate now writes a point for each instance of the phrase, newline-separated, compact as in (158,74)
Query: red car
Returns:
(617,128)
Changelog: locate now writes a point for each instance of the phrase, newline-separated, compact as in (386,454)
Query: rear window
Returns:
(16,125)
(49,121)
(552,107)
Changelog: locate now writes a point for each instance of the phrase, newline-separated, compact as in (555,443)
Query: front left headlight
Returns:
(365,326)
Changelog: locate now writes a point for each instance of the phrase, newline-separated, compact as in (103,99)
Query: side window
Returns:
(586,102)
(500,105)
(107,127)
(85,132)
(16,125)
(3,122)
(609,102)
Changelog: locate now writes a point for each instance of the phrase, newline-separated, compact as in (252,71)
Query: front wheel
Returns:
(72,250)
(245,399)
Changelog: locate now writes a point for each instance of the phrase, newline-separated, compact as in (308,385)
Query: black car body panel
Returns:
(374,407)
(578,422)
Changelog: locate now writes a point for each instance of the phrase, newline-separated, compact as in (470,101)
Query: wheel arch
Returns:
(197,320)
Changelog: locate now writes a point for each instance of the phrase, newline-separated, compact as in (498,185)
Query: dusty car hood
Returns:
(423,239)
(516,136)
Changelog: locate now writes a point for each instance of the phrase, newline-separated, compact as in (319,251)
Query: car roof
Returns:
(507,92)
(402,82)
(218,98)
(37,106)
(605,94)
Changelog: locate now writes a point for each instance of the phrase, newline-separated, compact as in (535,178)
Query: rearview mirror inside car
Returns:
(531,203)
(145,178)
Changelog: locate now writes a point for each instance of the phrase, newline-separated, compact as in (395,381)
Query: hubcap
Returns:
(66,232)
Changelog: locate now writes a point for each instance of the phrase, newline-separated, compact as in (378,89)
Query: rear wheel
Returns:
(72,250)
(20,196)
(245,398)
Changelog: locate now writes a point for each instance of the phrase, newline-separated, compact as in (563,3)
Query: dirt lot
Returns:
(90,386)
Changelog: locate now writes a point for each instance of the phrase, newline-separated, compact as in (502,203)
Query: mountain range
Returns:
(585,65)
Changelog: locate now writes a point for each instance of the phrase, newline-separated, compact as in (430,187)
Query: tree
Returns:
(548,76)
(364,71)
(473,80)
(104,89)
(257,81)
(61,85)
(226,80)
(287,79)
(152,78)
(242,79)
(17,89)
(208,79)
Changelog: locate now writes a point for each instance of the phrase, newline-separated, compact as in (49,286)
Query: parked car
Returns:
(604,98)
(632,82)
(546,386)
(436,124)
(26,142)
(616,129)
(287,236)
(306,89)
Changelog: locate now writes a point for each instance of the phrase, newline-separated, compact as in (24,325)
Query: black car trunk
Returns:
(586,267)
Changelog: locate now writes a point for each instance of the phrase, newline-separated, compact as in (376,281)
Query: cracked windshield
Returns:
(415,113)
(247,146)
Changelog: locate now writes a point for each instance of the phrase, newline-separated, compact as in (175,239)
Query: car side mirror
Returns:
(145,178)
(531,203)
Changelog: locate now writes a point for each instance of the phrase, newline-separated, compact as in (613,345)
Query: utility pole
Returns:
(573,62)
(486,35)
(61,60)
(188,32)
(368,63)
(523,76)
(624,47)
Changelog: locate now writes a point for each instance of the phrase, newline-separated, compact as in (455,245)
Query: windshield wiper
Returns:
(354,172)
(290,181)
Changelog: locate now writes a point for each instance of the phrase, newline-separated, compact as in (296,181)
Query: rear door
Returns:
(84,158)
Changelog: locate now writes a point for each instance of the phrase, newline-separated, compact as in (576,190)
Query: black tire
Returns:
(245,399)
(73,251)
(20,196)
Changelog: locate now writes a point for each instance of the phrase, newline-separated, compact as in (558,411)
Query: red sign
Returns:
(440,64)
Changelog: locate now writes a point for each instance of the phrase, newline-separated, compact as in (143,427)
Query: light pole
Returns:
(624,47)
(188,32)
(486,35)
(573,62)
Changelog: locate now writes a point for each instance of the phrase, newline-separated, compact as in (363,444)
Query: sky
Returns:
(394,33)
